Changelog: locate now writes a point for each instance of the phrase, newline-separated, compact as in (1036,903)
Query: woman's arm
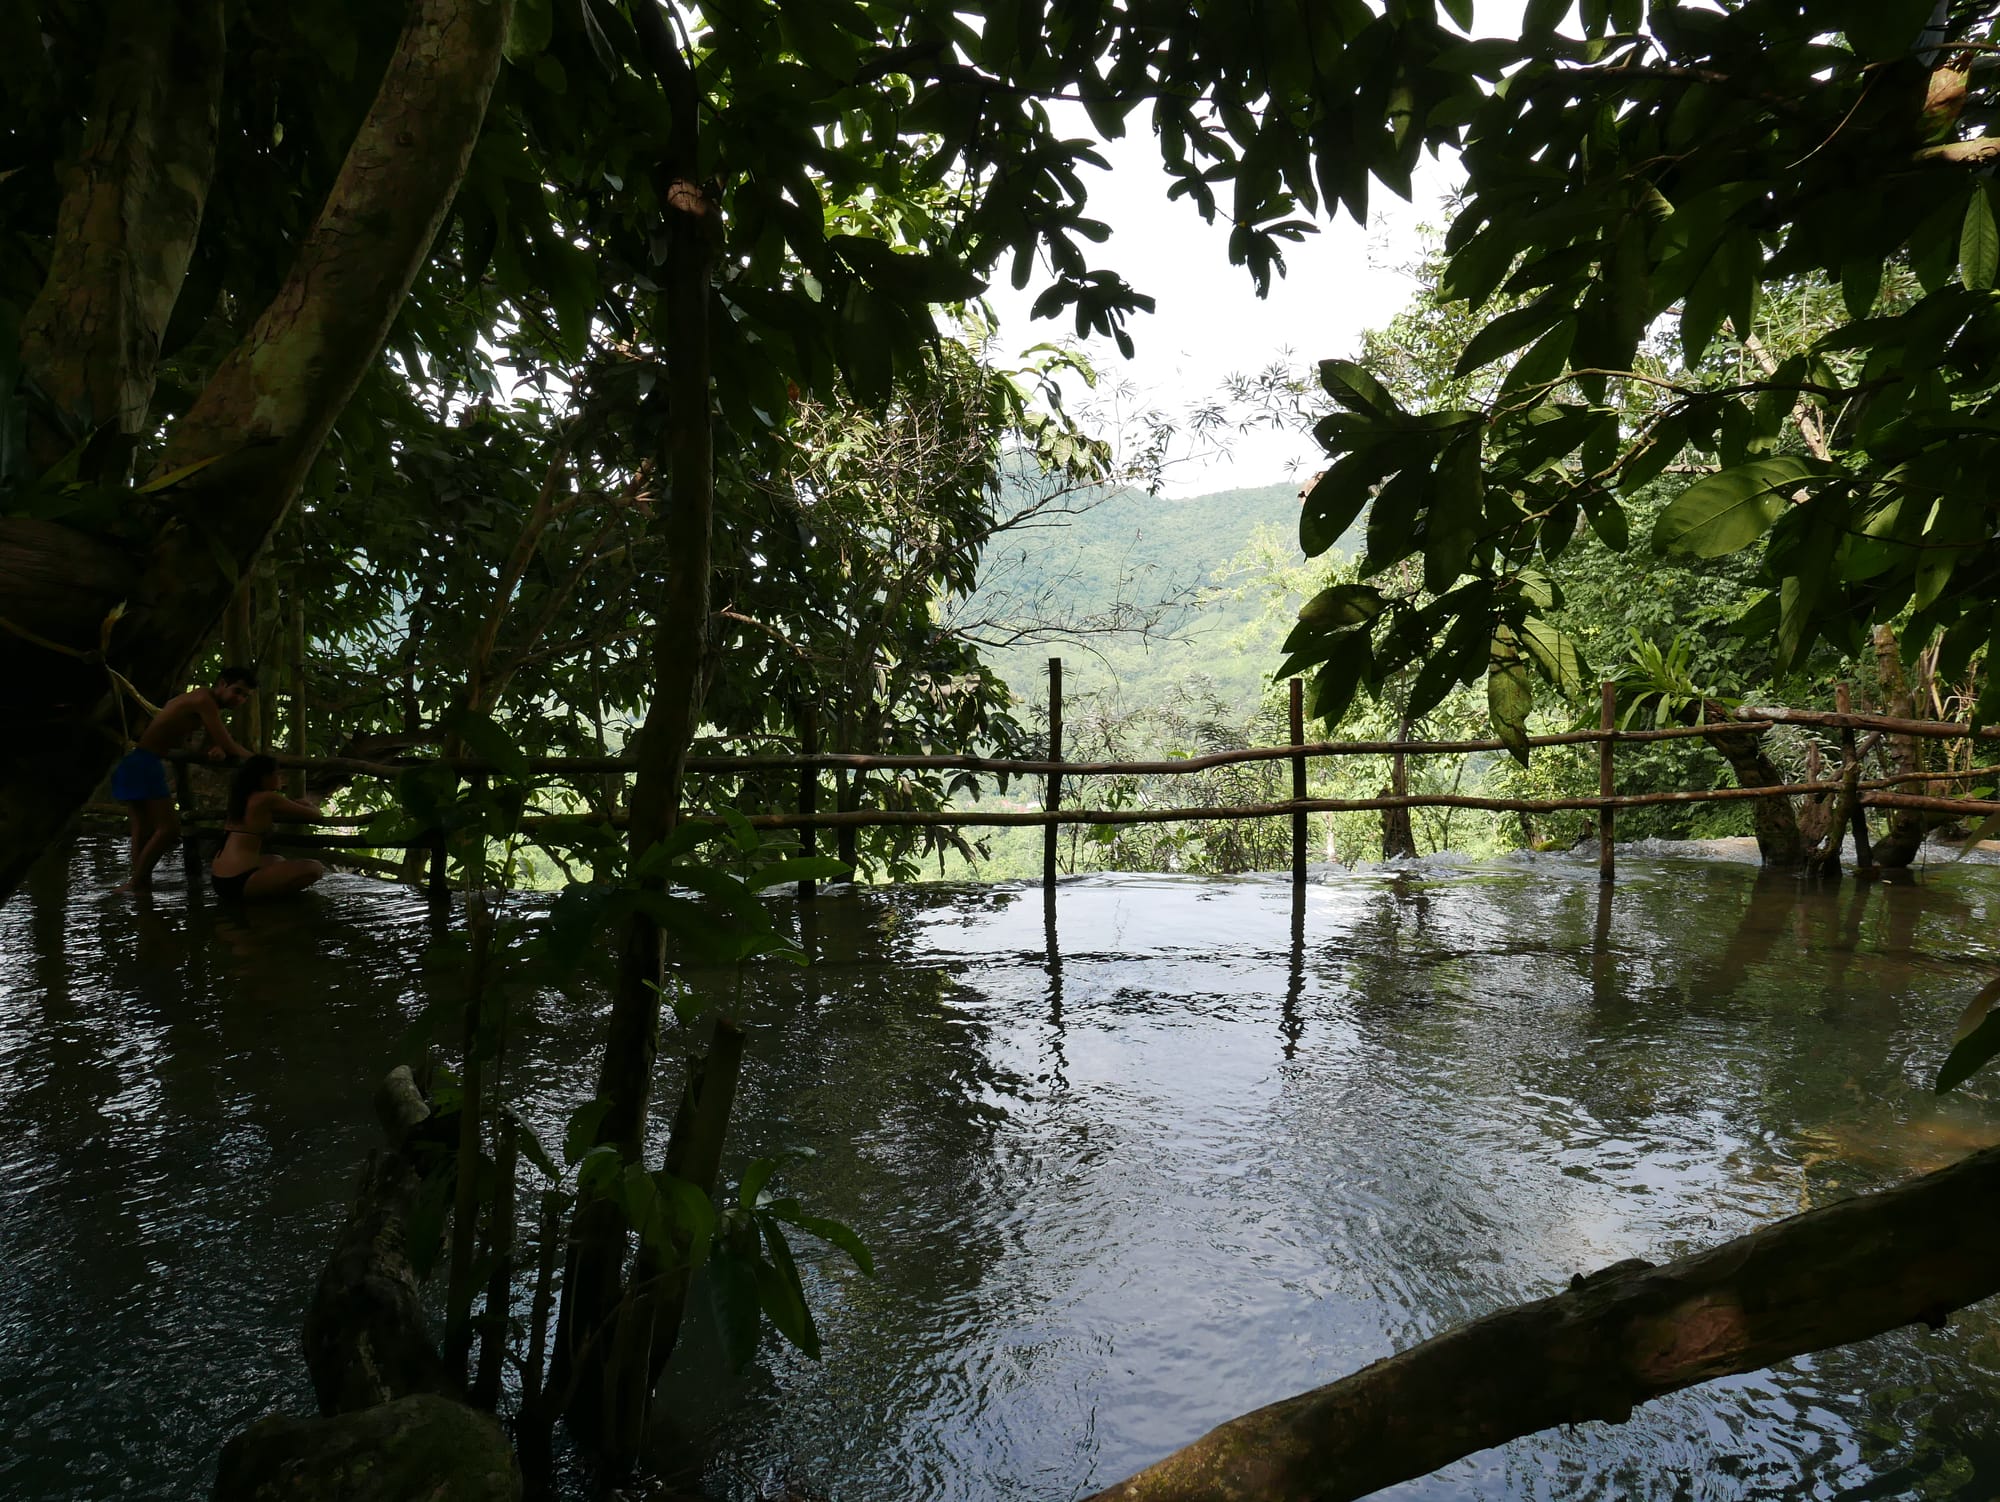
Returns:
(293,810)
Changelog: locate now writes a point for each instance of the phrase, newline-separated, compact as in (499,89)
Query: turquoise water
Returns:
(1130,1165)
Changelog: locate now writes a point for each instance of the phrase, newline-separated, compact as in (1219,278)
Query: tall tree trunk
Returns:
(1779,843)
(1619,1337)
(681,652)
(1907,826)
(127,226)
(270,405)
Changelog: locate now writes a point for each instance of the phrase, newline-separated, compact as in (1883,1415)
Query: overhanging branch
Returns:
(1628,1334)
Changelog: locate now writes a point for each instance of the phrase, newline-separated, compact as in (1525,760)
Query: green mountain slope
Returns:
(1139,549)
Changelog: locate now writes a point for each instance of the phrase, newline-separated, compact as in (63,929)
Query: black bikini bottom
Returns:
(230,888)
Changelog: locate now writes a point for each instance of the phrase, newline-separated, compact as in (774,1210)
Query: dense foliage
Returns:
(1708,165)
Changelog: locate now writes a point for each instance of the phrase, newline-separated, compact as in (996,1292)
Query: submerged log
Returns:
(1629,1333)
(366,1341)
(417,1447)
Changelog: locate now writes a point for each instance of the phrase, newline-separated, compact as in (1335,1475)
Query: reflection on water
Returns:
(1131,1161)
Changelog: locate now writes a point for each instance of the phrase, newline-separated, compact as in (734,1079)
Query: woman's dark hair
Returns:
(249,779)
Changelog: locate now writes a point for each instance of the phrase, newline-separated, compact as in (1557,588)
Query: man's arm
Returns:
(218,733)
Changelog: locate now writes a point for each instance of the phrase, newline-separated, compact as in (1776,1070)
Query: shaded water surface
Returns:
(1130,1165)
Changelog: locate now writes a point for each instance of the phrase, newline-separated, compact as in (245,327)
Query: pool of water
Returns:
(1130,1163)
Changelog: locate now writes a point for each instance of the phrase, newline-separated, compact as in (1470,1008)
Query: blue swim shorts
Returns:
(139,777)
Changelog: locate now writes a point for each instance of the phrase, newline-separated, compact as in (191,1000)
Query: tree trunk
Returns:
(127,226)
(1907,826)
(1629,1333)
(1398,839)
(1779,843)
(681,652)
(268,408)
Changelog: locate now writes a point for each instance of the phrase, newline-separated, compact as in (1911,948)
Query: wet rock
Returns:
(417,1449)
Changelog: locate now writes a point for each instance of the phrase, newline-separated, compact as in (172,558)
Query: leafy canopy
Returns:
(1630,191)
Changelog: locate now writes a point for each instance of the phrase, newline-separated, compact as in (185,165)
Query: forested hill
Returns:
(1142,548)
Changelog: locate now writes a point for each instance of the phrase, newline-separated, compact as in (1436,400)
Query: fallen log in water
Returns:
(1632,1332)
(391,1426)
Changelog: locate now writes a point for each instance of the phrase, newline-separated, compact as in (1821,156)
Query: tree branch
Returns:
(1627,1334)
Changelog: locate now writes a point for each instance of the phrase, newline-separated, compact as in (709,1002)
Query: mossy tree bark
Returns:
(269,406)
(1907,826)
(1779,843)
(126,231)
(1630,1333)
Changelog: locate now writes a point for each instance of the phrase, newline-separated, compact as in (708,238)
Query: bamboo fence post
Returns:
(1850,772)
(1299,819)
(846,797)
(1052,799)
(808,791)
(440,886)
(296,624)
(1607,867)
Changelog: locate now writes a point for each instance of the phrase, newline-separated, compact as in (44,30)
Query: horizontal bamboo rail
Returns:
(1875,792)
(1873,795)
(1747,721)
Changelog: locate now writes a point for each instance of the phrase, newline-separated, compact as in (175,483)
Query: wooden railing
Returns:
(809,764)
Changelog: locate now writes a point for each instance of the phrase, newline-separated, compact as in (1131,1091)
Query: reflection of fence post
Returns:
(1052,800)
(184,806)
(1850,773)
(1607,869)
(1298,782)
(808,789)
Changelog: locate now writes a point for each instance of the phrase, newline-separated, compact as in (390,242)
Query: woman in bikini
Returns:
(242,872)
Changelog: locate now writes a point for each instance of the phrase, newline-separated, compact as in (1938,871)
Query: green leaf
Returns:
(488,742)
(1355,389)
(1556,656)
(780,1292)
(1335,499)
(1392,518)
(1451,529)
(580,1134)
(528,29)
(1513,329)
(830,1231)
(1607,520)
(1334,685)
(174,477)
(1722,513)
(1881,30)
(1508,696)
(1979,243)
(1543,16)
(755,1177)
(732,1292)
(1343,605)
(1978,1040)
(531,1145)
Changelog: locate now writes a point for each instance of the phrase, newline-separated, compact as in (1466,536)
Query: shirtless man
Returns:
(140,780)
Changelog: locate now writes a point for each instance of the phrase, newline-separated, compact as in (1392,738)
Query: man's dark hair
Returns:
(245,676)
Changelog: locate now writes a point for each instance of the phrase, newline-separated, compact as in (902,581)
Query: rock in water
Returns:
(417,1449)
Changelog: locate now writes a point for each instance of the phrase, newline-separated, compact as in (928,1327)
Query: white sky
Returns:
(1208,321)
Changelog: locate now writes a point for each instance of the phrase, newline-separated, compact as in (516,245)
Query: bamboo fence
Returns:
(809,763)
